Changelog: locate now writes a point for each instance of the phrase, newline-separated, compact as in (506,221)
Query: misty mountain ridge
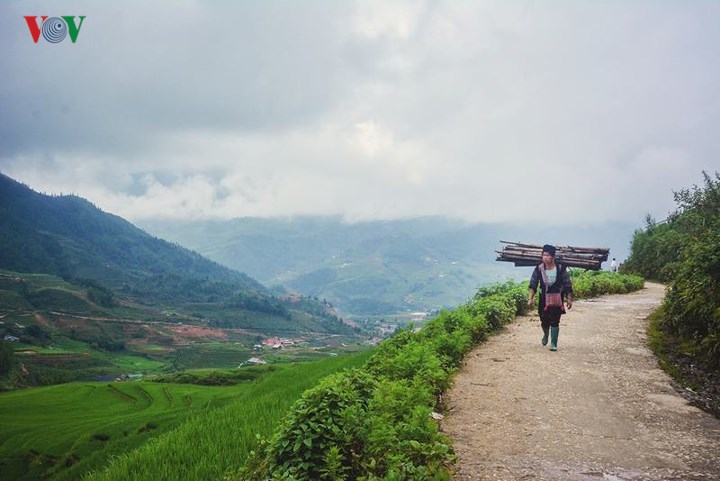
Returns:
(371,268)
(378,267)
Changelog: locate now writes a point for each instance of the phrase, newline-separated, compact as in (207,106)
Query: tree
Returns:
(7,358)
(684,252)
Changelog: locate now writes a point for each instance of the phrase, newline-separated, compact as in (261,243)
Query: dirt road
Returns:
(599,408)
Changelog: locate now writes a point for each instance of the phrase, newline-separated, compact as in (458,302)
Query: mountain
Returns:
(378,268)
(372,268)
(68,237)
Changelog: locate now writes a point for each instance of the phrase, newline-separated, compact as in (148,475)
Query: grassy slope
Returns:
(50,432)
(209,445)
(149,346)
(46,429)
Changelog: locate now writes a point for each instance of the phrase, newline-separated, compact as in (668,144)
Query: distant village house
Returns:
(277,343)
(253,361)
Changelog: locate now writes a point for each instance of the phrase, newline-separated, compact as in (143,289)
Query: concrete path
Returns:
(599,408)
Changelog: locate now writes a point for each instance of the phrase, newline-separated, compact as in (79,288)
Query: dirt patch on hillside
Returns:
(40,319)
(197,332)
(598,409)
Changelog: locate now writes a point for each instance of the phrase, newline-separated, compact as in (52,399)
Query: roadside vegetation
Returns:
(371,419)
(376,422)
(595,283)
(684,253)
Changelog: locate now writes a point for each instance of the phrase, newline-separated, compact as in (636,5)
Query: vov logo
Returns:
(54,29)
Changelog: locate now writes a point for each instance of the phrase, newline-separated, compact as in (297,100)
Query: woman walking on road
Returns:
(555,285)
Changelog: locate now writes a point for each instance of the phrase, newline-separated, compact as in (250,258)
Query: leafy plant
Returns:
(375,422)
(685,253)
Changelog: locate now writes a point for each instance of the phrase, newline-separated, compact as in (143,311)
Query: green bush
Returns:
(7,357)
(655,251)
(375,422)
(595,283)
(317,438)
(59,299)
(685,253)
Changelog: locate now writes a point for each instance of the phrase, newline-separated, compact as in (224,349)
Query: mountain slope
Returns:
(372,268)
(377,267)
(69,237)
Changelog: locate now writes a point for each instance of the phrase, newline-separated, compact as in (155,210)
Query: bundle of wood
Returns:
(531,255)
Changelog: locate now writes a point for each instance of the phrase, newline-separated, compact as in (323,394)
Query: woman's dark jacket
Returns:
(562,283)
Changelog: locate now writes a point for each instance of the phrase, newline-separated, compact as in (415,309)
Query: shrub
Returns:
(685,252)
(596,283)
(321,428)
(375,423)
(7,357)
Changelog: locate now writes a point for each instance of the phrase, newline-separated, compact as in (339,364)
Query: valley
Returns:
(71,338)
(122,350)
(375,271)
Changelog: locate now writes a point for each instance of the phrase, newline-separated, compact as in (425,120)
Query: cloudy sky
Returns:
(483,110)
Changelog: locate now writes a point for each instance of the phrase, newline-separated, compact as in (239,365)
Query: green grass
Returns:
(210,444)
(216,377)
(71,345)
(124,361)
(211,355)
(53,431)
(10,300)
(151,429)
(39,280)
(22,347)
(129,363)
(224,355)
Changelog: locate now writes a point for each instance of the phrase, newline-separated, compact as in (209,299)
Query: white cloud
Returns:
(378,18)
(369,110)
(372,139)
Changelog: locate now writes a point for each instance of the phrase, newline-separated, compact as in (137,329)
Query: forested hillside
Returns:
(113,261)
(69,237)
(684,253)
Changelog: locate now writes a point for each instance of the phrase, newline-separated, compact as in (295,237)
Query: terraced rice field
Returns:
(145,430)
(51,429)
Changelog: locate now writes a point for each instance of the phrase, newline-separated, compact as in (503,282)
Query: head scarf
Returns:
(549,249)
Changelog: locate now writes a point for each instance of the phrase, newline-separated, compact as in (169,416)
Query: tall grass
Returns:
(58,432)
(211,443)
(148,430)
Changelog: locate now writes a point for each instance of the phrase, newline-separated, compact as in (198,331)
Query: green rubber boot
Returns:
(554,331)
(546,332)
